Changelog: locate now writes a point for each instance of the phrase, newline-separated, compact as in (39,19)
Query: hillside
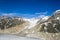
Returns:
(48,29)
(12,24)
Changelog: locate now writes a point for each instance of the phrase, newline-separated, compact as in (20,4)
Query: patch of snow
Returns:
(32,22)
(45,18)
(57,18)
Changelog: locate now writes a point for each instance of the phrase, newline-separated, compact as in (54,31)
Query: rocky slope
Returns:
(48,29)
(12,24)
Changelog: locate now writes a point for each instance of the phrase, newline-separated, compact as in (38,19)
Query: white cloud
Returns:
(41,16)
(41,13)
(8,14)
(27,15)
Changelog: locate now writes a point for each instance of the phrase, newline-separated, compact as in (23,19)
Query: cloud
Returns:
(41,13)
(8,14)
(27,15)
(36,15)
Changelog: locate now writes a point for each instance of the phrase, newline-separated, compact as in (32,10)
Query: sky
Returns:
(28,8)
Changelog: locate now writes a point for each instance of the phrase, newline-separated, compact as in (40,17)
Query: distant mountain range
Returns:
(7,22)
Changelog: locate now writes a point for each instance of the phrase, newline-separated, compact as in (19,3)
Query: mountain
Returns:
(50,24)
(12,24)
(48,29)
(41,20)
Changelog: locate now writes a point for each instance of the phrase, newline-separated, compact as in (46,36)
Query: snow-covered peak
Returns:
(45,18)
(58,10)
